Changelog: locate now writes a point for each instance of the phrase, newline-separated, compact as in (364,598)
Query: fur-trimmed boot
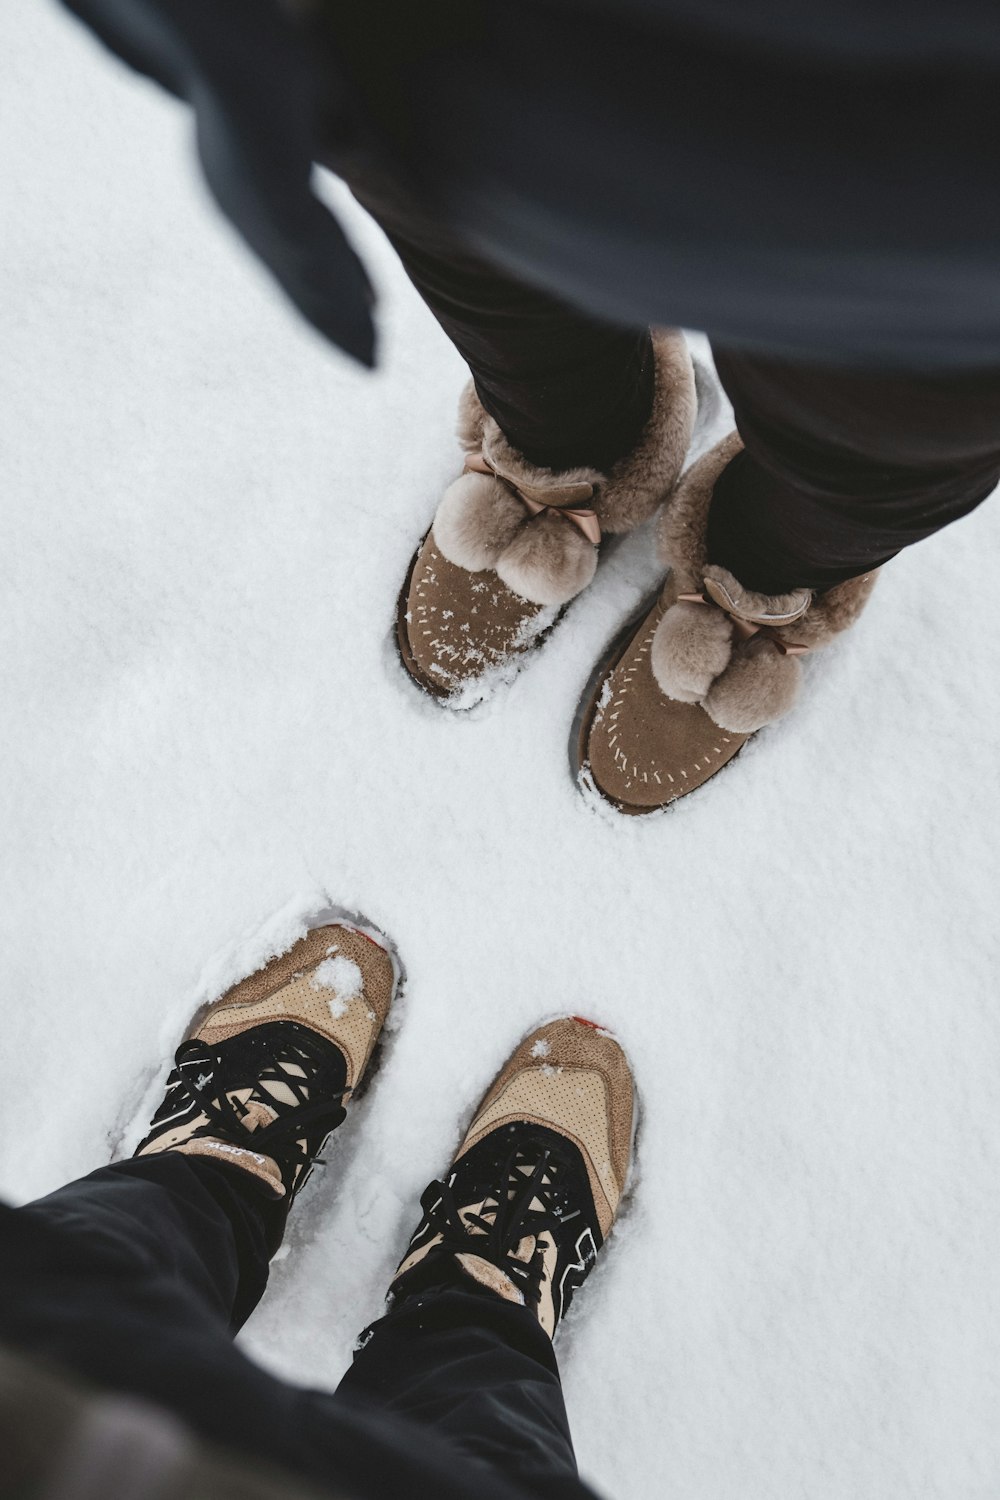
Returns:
(709,663)
(511,544)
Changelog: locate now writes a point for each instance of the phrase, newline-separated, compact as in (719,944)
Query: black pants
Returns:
(840,470)
(137,1276)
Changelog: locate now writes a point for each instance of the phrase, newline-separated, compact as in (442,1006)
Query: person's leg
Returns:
(135,1278)
(841,470)
(503,1245)
(565,388)
(571,429)
(476,1369)
(773,541)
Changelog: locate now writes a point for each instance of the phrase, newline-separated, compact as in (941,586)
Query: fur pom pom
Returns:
(758,686)
(833,611)
(481,524)
(477,518)
(692,645)
(549,561)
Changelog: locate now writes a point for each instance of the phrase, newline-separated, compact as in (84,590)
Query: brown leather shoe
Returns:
(512,544)
(708,663)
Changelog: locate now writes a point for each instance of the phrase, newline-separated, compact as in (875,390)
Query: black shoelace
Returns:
(208,1075)
(528,1176)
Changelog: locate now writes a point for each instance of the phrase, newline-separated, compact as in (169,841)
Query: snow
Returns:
(206,734)
(342,975)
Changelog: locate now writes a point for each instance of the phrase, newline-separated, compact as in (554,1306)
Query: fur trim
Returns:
(643,479)
(637,483)
(692,645)
(545,559)
(630,492)
(471,417)
(682,533)
(831,612)
(517,469)
(684,523)
(759,686)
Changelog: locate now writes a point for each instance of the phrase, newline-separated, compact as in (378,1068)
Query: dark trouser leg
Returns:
(565,389)
(843,470)
(135,1277)
(480,1371)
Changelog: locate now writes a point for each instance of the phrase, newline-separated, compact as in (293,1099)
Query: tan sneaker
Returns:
(267,1069)
(679,693)
(538,1179)
(511,544)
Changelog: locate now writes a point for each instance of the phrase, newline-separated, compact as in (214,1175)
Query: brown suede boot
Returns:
(511,544)
(709,663)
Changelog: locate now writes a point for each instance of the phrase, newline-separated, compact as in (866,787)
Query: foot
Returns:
(265,1074)
(512,544)
(678,694)
(537,1182)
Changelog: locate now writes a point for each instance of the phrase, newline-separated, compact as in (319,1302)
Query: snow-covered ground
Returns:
(204,729)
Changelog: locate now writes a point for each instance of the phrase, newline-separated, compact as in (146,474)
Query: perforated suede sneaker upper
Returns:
(536,1184)
(266,1072)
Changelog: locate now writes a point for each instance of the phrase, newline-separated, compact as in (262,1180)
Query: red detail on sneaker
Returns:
(594,1025)
(368,938)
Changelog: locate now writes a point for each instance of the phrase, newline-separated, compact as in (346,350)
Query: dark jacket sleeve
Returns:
(244,70)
